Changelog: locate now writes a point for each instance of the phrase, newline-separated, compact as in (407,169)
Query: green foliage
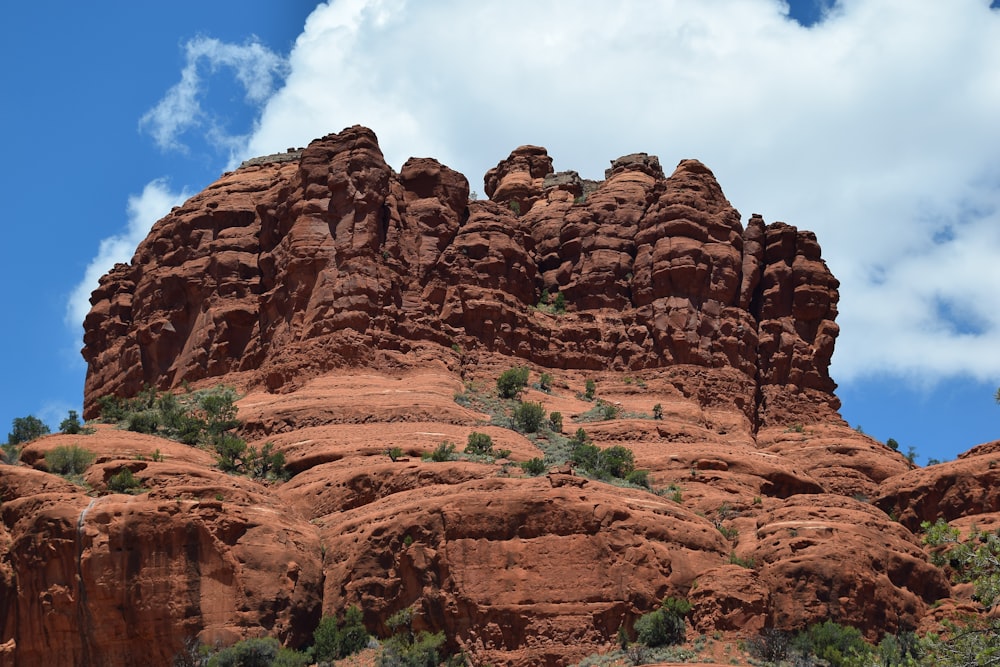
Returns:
(657,411)
(257,652)
(892,444)
(590,390)
(638,477)
(146,421)
(231,452)
(479,443)
(665,626)
(515,207)
(512,381)
(335,639)
(555,422)
(911,455)
(616,461)
(123,481)
(71,425)
(26,429)
(529,416)
(265,464)
(837,645)
(533,467)
(748,563)
(545,382)
(404,649)
(444,452)
(68,460)
(559,303)
(394,453)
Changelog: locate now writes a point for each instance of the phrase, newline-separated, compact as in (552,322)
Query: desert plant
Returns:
(638,477)
(832,643)
(609,411)
(26,429)
(394,453)
(123,481)
(264,464)
(443,452)
(68,460)
(665,626)
(256,652)
(533,467)
(71,425)
(617,461)
(892,444)
(555,422)
(515,207)
(545,382)
(657,411)
(528,416)
(559,303)
(512,381)
(590,390)
(333,639)
(479,443)
(146,421)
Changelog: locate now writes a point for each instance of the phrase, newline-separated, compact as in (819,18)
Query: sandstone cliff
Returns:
(352,305)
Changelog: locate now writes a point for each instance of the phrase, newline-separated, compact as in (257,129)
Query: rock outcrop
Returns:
(363,311)
(285,270)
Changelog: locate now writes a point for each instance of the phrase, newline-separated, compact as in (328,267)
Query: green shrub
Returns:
(444,452)
(529,416)
(665,626)
(556,422)
(26,429)
(657,411)
(257,652)
(545,382)
(335,639)
(71,425)
(479,443)
(590,390)
(833,643)
(68,460)
(512,381)
(515,206)
(559,303)
(394,453)
(892,444)
(146,421)
(265,464)
(533,467)
(123,481)
(230,451)
(609,411)
(617,461)
(638,477)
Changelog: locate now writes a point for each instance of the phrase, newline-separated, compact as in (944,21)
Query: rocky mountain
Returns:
(358,311)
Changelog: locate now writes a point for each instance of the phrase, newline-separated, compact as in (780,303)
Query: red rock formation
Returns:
(288,269)
(353,304)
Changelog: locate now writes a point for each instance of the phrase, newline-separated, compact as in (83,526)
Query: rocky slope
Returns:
(360,309)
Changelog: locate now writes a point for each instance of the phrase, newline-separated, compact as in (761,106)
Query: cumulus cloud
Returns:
(875,128)
(144,209)
(256,68)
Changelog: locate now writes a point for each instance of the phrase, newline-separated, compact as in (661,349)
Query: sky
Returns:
(870,122)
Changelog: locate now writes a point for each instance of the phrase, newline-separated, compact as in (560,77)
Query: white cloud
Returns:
(875,128)
(256,69)
(144,209)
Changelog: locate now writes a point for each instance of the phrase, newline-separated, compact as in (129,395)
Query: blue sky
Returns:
(870,122)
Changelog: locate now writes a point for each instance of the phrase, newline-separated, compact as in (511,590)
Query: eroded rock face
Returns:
(281,271)
(355,307)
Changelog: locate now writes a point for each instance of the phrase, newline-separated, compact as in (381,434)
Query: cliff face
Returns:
(360,309)
(284,270)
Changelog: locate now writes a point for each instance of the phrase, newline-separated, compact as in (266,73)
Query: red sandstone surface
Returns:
(352,304)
